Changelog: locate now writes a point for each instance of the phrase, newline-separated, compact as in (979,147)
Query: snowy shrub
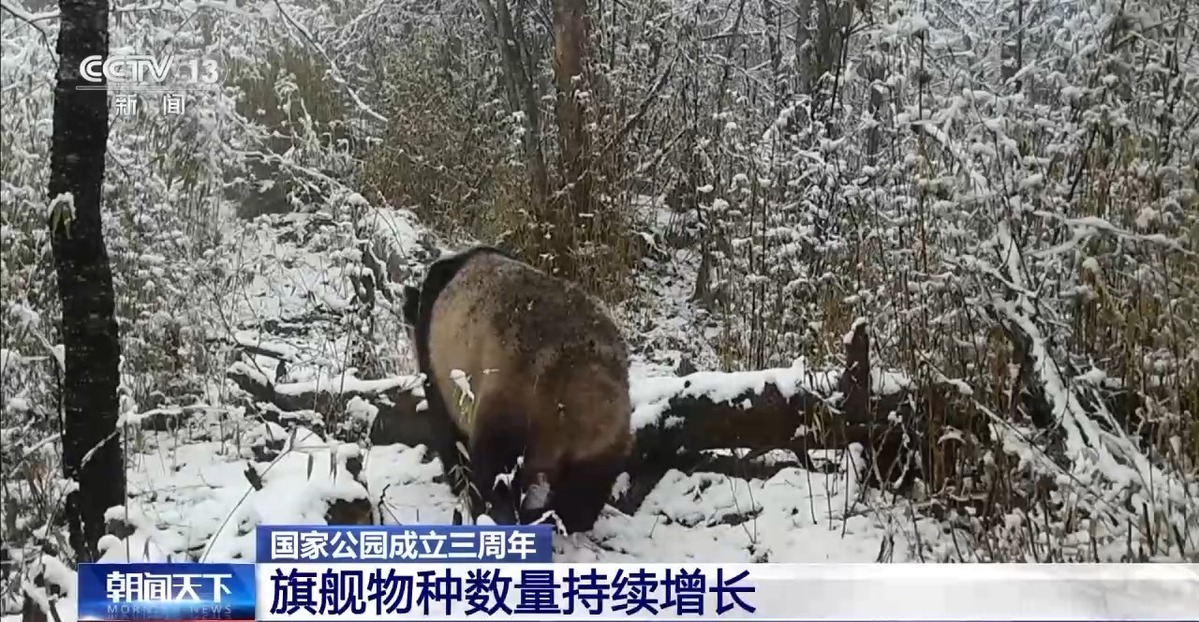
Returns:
(1016,218)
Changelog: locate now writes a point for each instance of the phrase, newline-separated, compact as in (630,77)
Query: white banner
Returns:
(843,592)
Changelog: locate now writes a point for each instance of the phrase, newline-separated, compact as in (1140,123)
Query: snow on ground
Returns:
(295,288)
(198,492)
(191,493)
(195,498)
(664,326)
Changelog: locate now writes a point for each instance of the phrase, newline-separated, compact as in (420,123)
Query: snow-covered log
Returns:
(678,421)
(392,402)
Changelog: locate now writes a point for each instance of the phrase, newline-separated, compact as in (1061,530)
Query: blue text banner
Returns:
(171,592)
(408,544)
(791,592)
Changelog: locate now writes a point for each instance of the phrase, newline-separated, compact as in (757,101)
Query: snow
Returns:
(278,350)
(800,516)
(199,492)
(651,395)
(192,494)
(847,338)
(462,382)
(795,516)
(58,575)
(1017,236)
(346,382)
(196,498)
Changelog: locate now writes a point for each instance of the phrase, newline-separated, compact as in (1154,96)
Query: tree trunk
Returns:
(1012,50)
(91,446)
(570,49)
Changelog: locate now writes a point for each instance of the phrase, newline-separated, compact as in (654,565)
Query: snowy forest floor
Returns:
(1021,246)
(189,495)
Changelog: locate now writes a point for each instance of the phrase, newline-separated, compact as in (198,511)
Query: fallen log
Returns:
(677,419)
(789,408)
(395,400)
(792,408)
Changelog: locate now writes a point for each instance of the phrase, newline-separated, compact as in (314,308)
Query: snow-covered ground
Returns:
(197,491)
(195,497)
(283,312)
(190,494)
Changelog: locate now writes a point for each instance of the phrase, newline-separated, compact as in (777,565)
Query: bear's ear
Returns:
(411,303)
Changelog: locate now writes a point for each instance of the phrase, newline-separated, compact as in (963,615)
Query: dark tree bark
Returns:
(91,446)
